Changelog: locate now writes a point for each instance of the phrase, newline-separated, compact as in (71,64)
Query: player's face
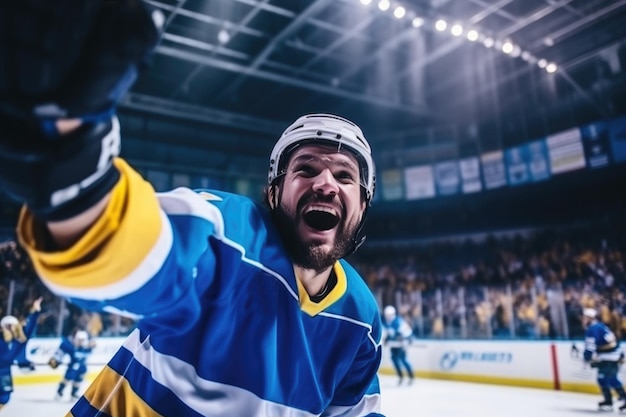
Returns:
(320,204)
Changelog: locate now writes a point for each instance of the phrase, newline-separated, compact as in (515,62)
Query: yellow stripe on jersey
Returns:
(123,402)
(127,229)
(335,294)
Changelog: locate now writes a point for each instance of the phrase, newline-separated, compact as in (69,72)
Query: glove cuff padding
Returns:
(60,178)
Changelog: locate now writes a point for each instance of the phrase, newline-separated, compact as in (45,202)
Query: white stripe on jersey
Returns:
(181,378)
(369,404)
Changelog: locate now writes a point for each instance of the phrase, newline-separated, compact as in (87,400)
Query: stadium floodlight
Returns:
(551,67)
(223,36)
(441,25)
(366,2)
(488,42)
(384,5)
(417,22)
(542,63)
(472,35)
(507,47)
(399,12)
(457,30)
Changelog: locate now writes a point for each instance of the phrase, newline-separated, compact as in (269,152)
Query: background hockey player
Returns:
(14,338)
(602,351)
(243,309)
(78,347)
(397,336)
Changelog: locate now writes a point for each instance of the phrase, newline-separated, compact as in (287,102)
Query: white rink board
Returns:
(540,364)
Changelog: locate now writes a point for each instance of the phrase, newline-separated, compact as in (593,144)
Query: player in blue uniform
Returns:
(397,336)
(602,351)
(244,309)
(14,338)
(78,347)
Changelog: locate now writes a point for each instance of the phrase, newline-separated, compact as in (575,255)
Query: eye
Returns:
(345,176)
(305,170)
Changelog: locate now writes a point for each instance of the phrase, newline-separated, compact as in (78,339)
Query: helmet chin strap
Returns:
(359,238)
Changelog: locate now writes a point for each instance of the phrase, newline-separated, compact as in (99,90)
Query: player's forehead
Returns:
(329,154)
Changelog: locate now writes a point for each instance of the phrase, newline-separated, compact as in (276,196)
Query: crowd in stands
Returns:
(518,284)
(524,284)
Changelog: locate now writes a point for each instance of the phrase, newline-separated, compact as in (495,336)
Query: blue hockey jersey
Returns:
(601,344)
(78,357)
(9,351)
(225,327)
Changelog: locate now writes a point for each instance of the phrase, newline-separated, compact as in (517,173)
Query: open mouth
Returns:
(321,219)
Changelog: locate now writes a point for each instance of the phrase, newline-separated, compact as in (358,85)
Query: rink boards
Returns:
(554,365)
(540,364)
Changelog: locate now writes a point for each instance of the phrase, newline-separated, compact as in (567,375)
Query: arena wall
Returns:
(553,365)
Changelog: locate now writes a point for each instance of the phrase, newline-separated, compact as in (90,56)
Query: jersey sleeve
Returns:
(139,259)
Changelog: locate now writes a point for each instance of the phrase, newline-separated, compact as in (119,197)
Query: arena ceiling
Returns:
(258,64)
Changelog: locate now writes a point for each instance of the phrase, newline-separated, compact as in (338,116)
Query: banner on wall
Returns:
(516,159)
(595,138)
(391,181)
(447,178)
(566,152)
(538,161)
(494,174)
(617,135)
(419,182)
(470,174)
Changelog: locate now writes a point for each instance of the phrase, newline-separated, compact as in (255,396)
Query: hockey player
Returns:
(14,337)
(78,347)
(397,335)
(244,309)
(602,351)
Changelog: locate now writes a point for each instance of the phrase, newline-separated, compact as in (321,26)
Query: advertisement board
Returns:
(470,174)
(494,173)
(419,182)
(565,150)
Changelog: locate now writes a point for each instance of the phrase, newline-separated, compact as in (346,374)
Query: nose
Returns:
(325,183)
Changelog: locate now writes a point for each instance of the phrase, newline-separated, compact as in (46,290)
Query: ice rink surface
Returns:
(424,398)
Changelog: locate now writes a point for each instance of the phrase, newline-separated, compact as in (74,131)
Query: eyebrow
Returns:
(307,157)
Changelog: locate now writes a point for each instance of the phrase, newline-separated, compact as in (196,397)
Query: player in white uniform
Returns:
(398,336)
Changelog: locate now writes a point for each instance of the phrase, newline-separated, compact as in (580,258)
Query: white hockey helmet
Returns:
(81,336)
(9,321)
(592,313)
(389,312)
(323,128)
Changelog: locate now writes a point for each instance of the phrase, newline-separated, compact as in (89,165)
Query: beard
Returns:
(312,254)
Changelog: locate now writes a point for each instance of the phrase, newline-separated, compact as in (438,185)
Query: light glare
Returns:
(417,22)
(399,12)
(472,35)
(457,30)
(488,42)
(366,2)
(441,25)
(551,67)
(507,47)
(384,5)
(542,63)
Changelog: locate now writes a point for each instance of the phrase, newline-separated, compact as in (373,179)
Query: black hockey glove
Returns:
(60,177)
(66,59)
(71,58)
